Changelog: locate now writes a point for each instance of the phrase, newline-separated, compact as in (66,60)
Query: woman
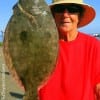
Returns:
(77,72)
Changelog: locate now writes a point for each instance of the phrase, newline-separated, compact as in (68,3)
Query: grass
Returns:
(1,43)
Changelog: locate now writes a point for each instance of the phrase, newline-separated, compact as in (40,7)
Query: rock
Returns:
(31,45)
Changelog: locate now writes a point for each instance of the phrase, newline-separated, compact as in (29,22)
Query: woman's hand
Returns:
(97,92)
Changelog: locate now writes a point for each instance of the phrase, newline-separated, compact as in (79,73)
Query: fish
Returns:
(30,46)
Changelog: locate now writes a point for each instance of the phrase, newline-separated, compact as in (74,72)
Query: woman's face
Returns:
(67,17)
(66,21)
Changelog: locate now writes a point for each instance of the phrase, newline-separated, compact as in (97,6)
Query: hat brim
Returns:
(88,15)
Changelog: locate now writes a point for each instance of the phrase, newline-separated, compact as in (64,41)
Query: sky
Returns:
(6,12)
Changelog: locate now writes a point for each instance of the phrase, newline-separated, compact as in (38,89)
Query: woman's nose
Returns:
(66,13)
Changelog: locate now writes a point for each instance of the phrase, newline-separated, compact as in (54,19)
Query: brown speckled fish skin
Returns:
(31,45)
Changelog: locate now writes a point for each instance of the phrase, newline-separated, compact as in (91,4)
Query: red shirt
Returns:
(77,71)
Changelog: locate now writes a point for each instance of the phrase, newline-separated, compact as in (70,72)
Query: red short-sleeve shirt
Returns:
(77,70)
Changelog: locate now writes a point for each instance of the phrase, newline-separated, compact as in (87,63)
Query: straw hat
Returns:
(88,15)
